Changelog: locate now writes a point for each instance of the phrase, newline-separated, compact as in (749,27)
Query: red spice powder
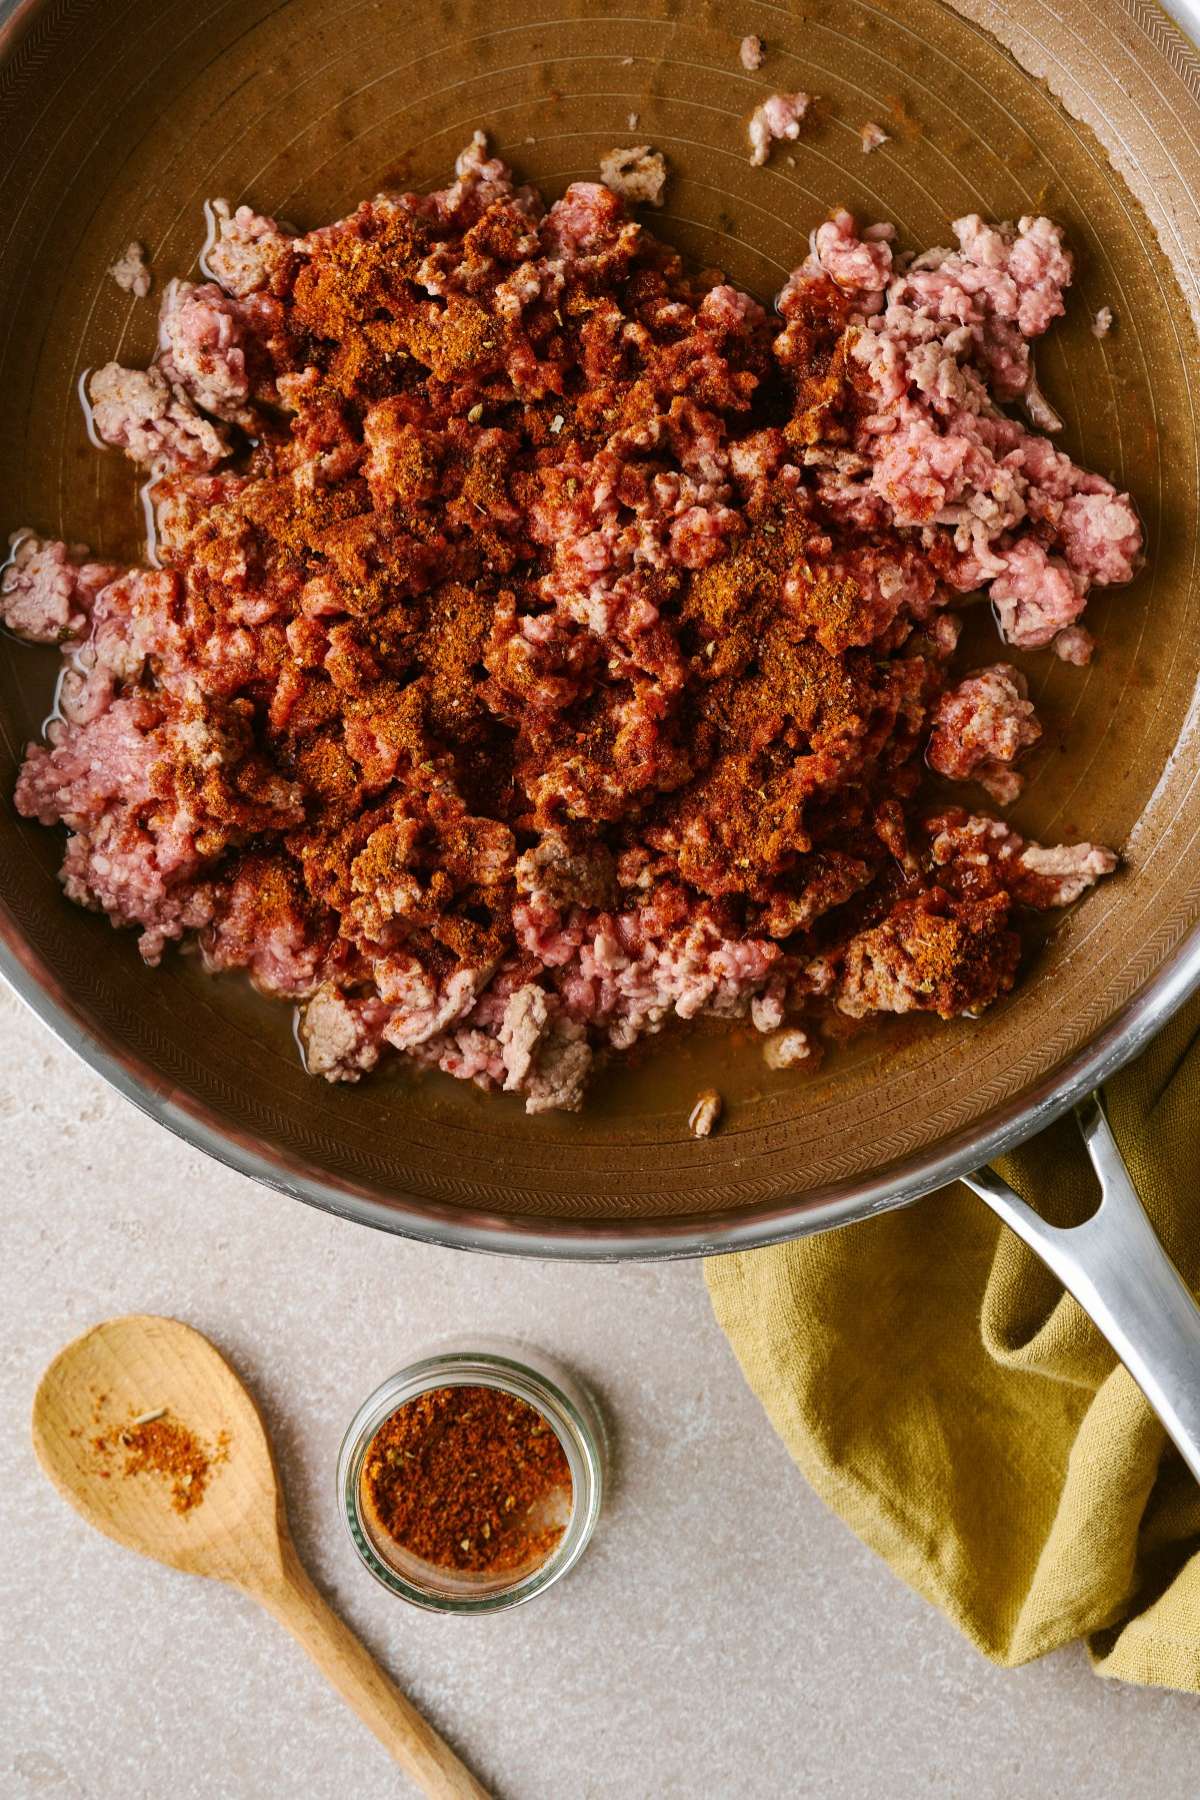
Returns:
(157,1444)
(468,1478)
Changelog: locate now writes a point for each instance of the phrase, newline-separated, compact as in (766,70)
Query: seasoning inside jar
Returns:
(467,1479)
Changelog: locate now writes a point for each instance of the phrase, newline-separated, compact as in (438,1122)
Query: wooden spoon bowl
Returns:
(237,1532)
(135,1365)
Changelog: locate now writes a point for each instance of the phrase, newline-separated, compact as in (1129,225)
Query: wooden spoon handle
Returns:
(358,1678)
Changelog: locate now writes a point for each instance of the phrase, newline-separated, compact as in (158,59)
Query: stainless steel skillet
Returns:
(119,122)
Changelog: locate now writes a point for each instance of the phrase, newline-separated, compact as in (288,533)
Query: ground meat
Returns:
(788,1049)
(872,136)
(554,875)
(340,1038)
(47,590)
(941,341)
(706,1113)
(860,266)
(558,1078)
(1068,869)
(980,727)
(117,868)
(1100,534)
(931,954)
(751,53)
(639,174)
(131,271)
(1074,645)
(422,1008)
(201,350)
(980,857)
(523,1028)
(780,116)
(1102,323)
(138,411)
(769,1009)
(630,973)
(543,639)
(245,249)
(1035,595)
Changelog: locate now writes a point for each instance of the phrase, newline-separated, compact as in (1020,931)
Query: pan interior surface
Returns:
(120,120)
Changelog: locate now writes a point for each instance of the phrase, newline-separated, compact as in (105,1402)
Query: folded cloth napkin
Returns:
(961,1413)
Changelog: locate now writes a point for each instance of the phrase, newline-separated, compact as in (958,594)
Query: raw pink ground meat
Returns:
(779,116)
(861,266)
(200,334)
(138,411)
(47,590)
(1074,645)
(995,504)
(981,726)
(1035,595)
(714,638)
(245,248)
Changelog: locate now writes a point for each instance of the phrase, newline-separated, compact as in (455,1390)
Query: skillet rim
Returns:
(573,1240)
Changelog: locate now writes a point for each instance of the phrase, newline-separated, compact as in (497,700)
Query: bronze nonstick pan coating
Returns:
(119,120)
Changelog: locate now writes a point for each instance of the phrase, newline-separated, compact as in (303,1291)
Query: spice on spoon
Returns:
(154,1443)
(469,1478)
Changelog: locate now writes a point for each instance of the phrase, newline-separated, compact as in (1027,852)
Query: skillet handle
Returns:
(1123,1278)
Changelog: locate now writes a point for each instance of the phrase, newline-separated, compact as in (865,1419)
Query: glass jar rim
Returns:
(528,1375)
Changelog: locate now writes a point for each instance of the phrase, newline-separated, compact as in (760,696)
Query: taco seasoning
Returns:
(469,1478)
(156,1443)
(472,1480)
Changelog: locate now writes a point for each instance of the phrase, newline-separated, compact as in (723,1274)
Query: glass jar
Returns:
(567,1408)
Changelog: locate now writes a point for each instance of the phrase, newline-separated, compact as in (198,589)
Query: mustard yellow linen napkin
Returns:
(961,1413)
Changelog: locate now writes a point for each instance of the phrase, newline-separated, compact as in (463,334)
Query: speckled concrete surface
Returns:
(723,1635)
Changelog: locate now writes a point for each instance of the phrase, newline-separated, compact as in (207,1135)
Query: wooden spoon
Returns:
(238,1530)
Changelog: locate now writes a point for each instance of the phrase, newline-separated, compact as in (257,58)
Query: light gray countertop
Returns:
(723,1635)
